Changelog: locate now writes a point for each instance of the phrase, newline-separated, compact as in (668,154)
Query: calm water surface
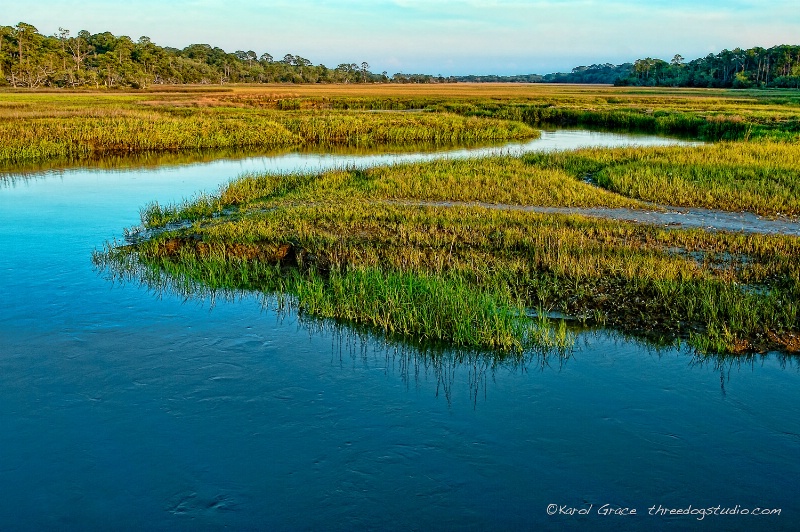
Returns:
(124,408)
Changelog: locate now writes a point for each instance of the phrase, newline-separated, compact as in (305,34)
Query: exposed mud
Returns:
(670,217)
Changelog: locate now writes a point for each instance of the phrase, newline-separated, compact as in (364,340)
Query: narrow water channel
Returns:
(125,408)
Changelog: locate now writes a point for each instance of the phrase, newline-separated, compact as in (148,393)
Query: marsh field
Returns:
(398,270)
(416,250)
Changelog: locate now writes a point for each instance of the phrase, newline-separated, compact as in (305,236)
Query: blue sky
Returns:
(435,36)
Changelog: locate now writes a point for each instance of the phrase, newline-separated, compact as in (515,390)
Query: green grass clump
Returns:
(495,180)
(429,307)
(400,304)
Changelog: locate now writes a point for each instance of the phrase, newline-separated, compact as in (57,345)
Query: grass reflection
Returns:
(414,358)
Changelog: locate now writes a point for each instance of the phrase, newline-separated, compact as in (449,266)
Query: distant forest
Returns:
(607,73)
(778,66)
(30,59)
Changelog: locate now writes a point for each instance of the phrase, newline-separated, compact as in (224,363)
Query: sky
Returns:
(447,37)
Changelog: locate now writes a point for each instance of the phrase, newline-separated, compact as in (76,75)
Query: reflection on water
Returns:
(415,361)
(321,157)
(412,360)
(424,365)
(475,370)
(149,160)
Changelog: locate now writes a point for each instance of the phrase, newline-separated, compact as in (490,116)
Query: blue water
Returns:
(125,408)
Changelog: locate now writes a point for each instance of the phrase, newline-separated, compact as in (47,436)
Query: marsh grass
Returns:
(763,178)
(706,114)
(399,304)
(431,307)
(37,127)
(502,180)
(759,177)
(354,257)
(351,245)
(80,138)
(369,129)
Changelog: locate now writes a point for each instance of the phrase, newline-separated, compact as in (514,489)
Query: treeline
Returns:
(492,78)
(757,67)
(592,74)
(30,59)
(778,66)
(606,73)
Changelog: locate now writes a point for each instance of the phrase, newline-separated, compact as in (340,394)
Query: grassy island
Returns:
(422,251)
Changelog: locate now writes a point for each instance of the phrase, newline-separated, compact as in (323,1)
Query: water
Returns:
(124,408)
(336,158)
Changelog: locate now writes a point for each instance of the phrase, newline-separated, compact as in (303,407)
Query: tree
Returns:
(103,42)
(301,61)
(63,37)
(24,33)
(145,53)
(107,69)
(5,56)
(79,49)
(29,72)
(123,49)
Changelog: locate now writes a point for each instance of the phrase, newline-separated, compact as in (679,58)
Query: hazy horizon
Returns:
(447,37)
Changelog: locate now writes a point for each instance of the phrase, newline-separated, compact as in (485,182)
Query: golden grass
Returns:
(725,292)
